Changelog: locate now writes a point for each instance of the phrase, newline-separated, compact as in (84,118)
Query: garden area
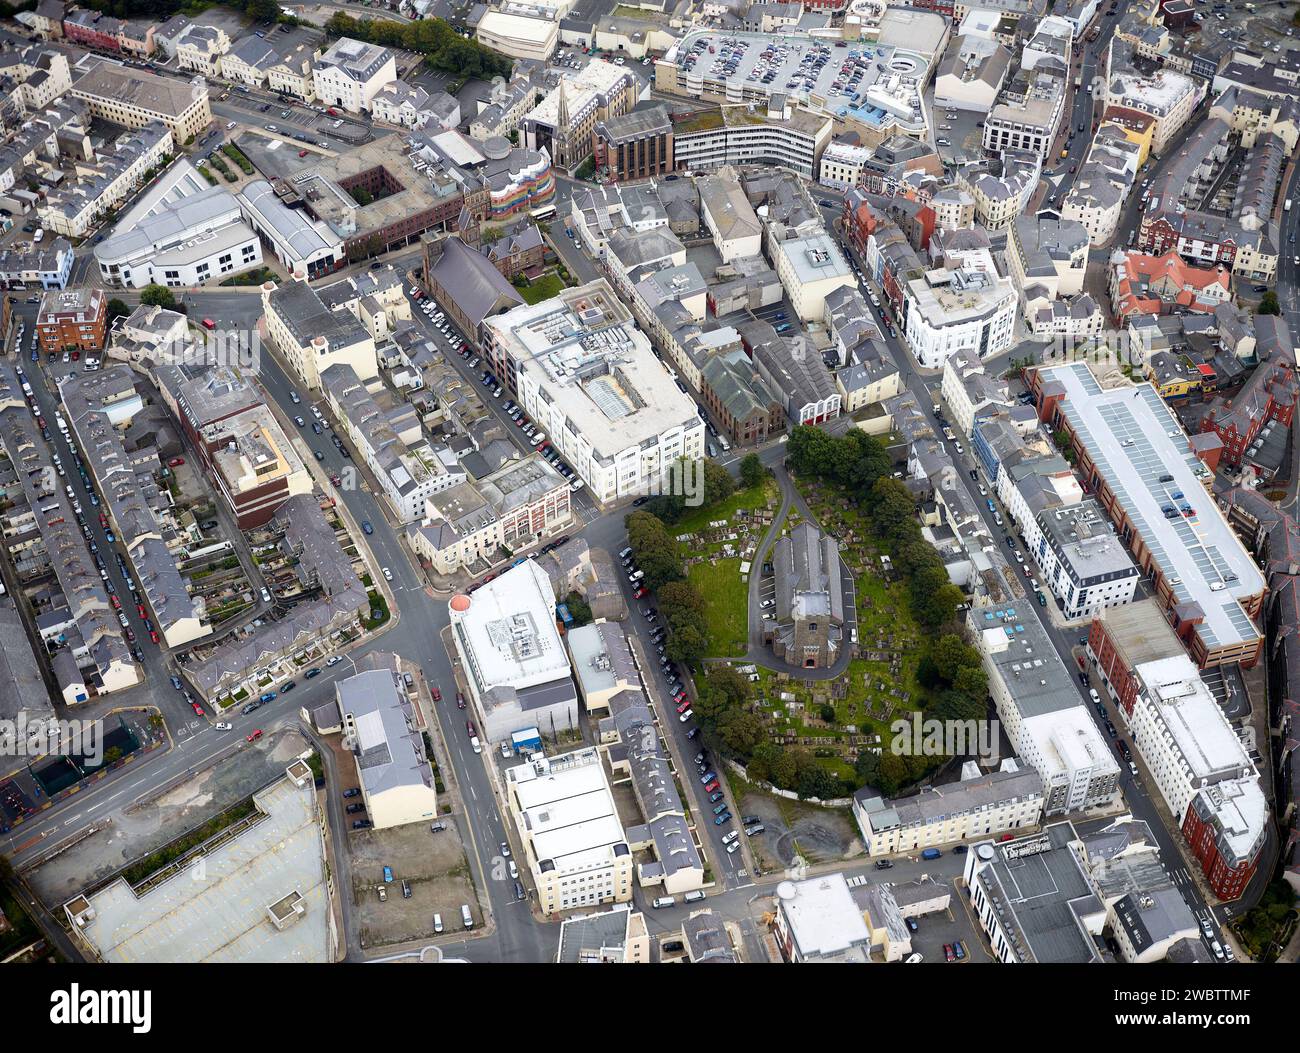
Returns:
(256,276)
(715,543)
(543,287)
(1264,931)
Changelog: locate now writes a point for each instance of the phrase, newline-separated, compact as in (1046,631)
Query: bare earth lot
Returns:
(435,867)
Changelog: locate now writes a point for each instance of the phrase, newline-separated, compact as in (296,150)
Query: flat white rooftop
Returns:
(1189,711)
(822,915)
(585,352)
(567,810)
(508,630)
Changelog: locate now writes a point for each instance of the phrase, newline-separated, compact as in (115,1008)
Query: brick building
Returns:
(636,145)
(72,318)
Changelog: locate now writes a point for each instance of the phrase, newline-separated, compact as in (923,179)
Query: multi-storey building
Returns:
(585,374)
(389,440)
(181,233)
(249,457)
(1132,453)
(787,138)
(843,165)
(971,306)
(1028,113)
(573,842)
(72,318)
(133,98)
(1168,97)
(105,183)
(1082,561)
(635,145)
(1268,396)
(311,337)
(1043,714)
(468,525)
(1190,751)
(978,805)
(564,121)
(201,48)
(351,73)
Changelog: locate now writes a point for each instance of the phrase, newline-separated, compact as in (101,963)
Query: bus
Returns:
(543,213)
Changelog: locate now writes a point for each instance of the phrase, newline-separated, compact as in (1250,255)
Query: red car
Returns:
(640,593)
(714,785)
(198,709)
(437,695)
(76,356)
(117,604)
(336,480)
(684,706)
(302,153)
(40,421)
(255,735)
(176,462)
(103,519)
(469,726)
(130,634)
(460,700)
(948,954)
(140,608)
(153,635)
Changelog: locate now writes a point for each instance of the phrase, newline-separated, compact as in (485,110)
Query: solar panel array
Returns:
(1146,465)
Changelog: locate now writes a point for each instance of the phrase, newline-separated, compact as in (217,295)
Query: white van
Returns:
(694,896)
(663,901)
(466,916)
(437,923)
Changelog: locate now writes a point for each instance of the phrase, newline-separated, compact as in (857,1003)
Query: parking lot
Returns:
(934,931)
(431,865)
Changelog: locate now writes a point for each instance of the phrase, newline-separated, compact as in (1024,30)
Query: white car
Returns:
(334,659)
(686,716)
(223,726)
(388,574)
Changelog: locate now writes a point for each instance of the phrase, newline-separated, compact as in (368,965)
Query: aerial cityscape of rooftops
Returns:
(675,481)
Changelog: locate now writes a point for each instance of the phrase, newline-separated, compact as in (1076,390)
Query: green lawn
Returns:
(700,518)
(548,285)
(725,593)
(726,613)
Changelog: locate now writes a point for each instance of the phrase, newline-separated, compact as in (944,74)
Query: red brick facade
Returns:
(1227,881)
